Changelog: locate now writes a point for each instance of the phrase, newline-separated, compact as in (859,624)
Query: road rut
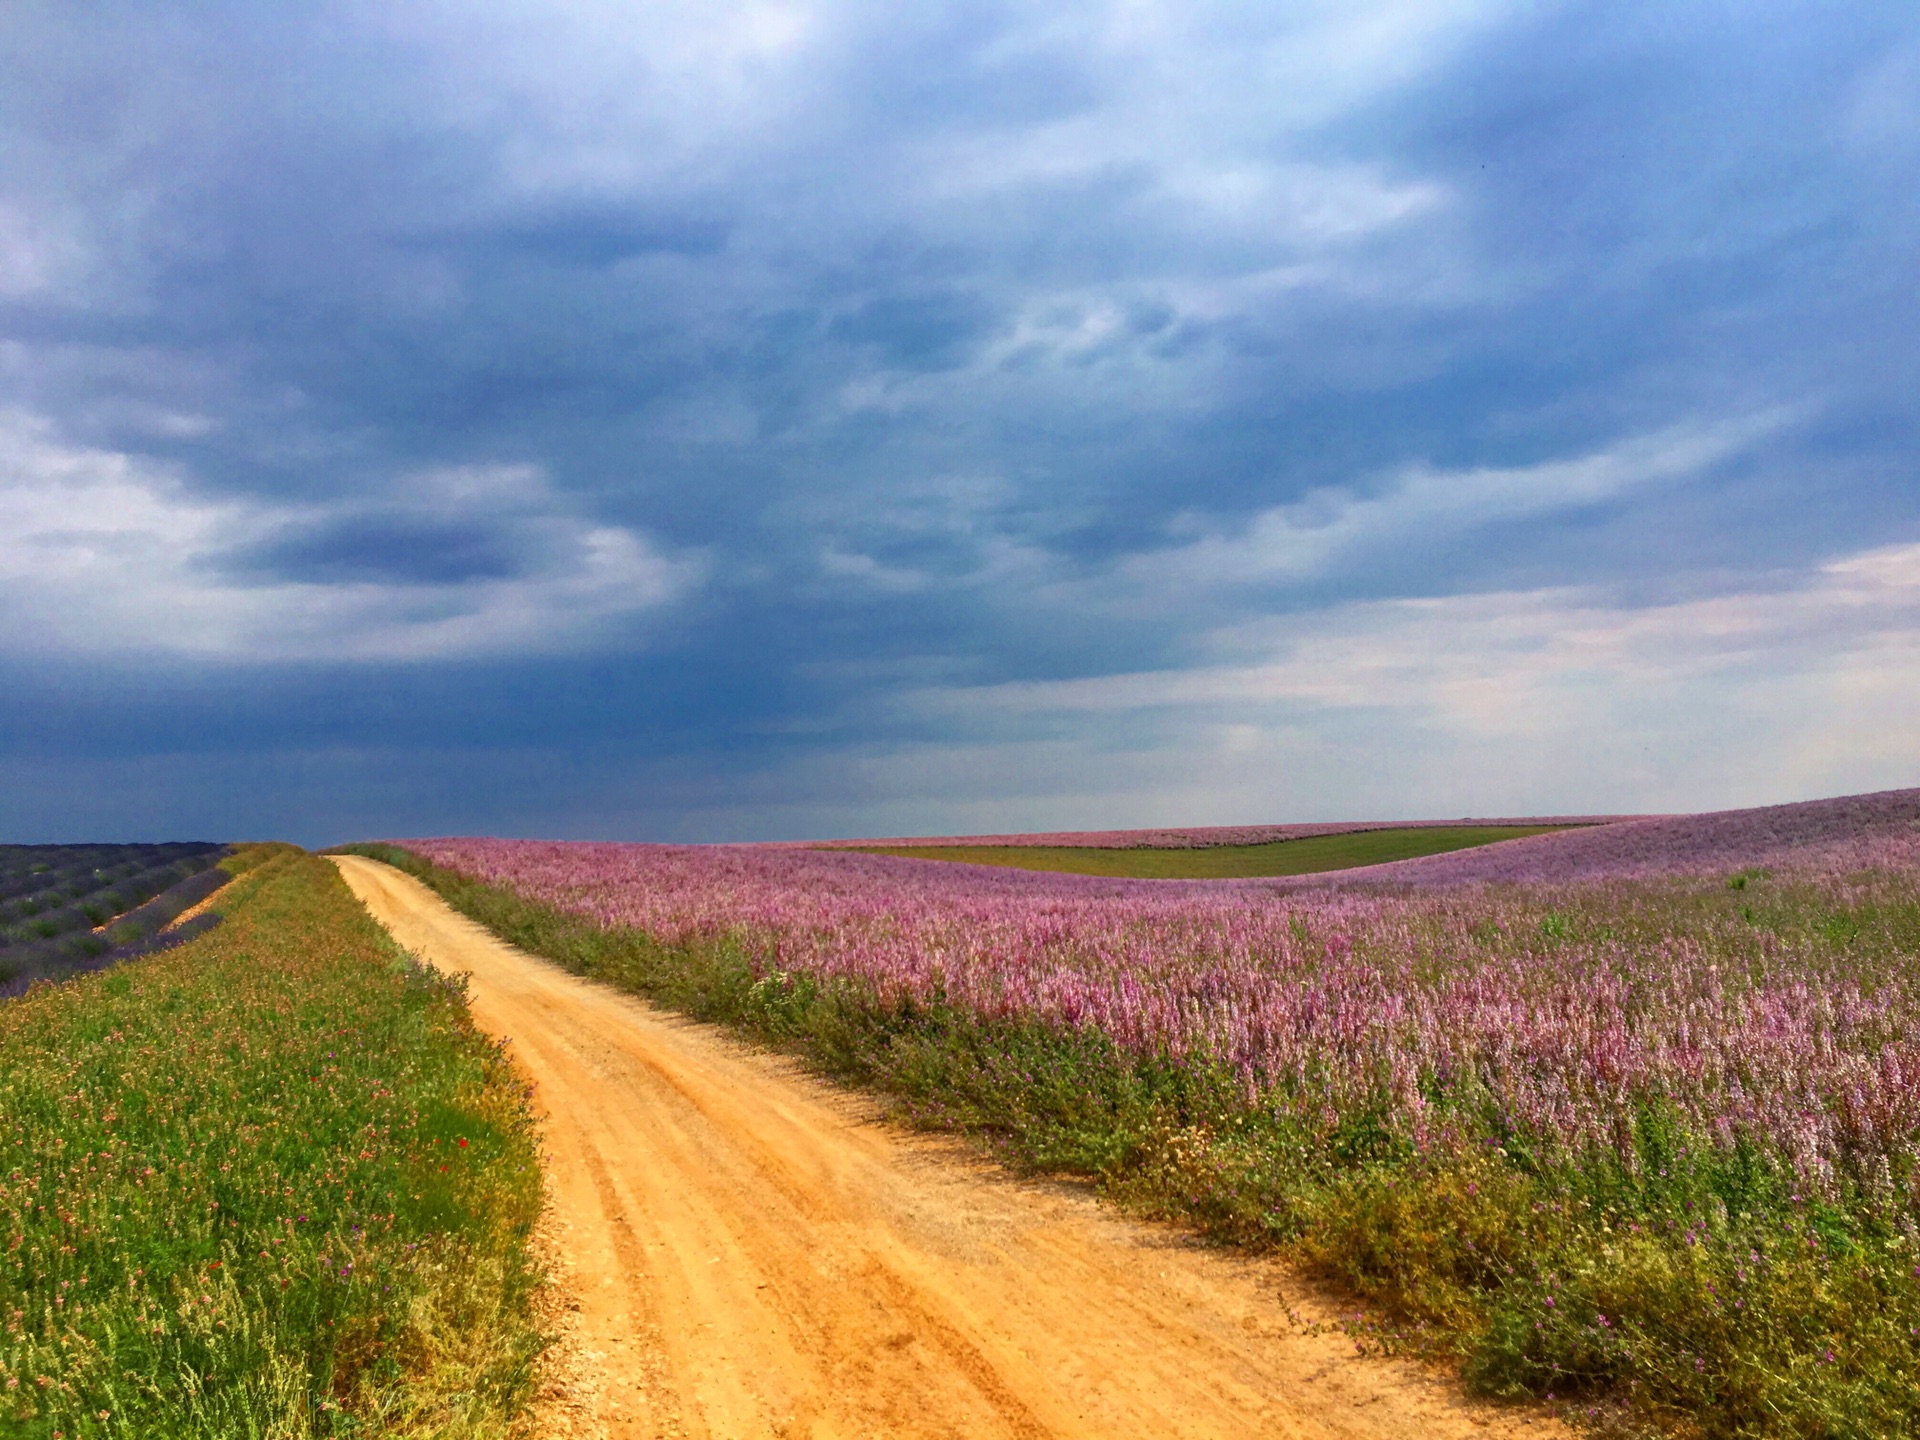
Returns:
(755,1253)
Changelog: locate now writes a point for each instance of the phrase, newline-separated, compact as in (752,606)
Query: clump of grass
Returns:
(272,1183)
(1669,1279)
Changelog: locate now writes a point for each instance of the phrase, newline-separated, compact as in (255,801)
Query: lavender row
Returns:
(109,912)
(70,871)
(49,890)
(148,944)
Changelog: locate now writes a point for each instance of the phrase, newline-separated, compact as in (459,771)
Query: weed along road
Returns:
(753,1253)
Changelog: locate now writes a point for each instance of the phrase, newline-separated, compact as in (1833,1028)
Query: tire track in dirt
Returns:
(754,1253)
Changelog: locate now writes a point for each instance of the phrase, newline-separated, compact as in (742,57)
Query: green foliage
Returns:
(271,1183)
(1307,856)
(1697,1291)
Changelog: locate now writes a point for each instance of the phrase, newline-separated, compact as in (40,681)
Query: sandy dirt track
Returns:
(754,1253)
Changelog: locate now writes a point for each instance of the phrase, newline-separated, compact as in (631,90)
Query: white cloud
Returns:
(600,97)
(1884,117)
(36,254)
(104,552)
(1521,702)
(870,573)
(1419,505)
(1321,203)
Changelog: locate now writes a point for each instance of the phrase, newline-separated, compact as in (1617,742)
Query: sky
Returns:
(709,421)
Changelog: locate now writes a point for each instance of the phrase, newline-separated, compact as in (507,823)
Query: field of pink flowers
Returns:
(1630,1113)
(1557,1009)
(1851,833)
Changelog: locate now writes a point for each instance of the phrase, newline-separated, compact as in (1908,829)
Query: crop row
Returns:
(107,882)
(82,907)
(69,872)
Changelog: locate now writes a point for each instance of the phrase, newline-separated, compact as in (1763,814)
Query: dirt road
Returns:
(753,1253)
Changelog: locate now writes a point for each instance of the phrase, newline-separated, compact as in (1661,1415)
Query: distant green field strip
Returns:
(1307,856)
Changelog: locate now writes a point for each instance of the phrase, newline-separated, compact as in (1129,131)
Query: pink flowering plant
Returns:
(1630,1112)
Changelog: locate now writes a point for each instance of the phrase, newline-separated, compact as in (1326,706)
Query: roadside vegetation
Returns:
(1309,855)
(1646,1146)
(270,1183)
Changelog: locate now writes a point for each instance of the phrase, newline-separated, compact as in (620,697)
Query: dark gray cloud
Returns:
(679,407)
(383,549)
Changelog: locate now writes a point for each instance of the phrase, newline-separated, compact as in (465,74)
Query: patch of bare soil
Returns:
(566,1402)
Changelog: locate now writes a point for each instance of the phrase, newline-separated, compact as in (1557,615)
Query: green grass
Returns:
(1698,1295)
(270,1184)
(1307,856)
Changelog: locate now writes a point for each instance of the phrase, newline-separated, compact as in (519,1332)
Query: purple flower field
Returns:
(1557,989)
(1857,832)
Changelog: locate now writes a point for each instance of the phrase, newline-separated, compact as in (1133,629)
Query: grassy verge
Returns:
(1699,1294)
(269,1184)
(1309,856)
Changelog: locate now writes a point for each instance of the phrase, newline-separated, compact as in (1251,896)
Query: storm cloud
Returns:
(779,419)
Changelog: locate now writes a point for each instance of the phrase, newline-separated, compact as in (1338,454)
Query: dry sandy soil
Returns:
(750,1252)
